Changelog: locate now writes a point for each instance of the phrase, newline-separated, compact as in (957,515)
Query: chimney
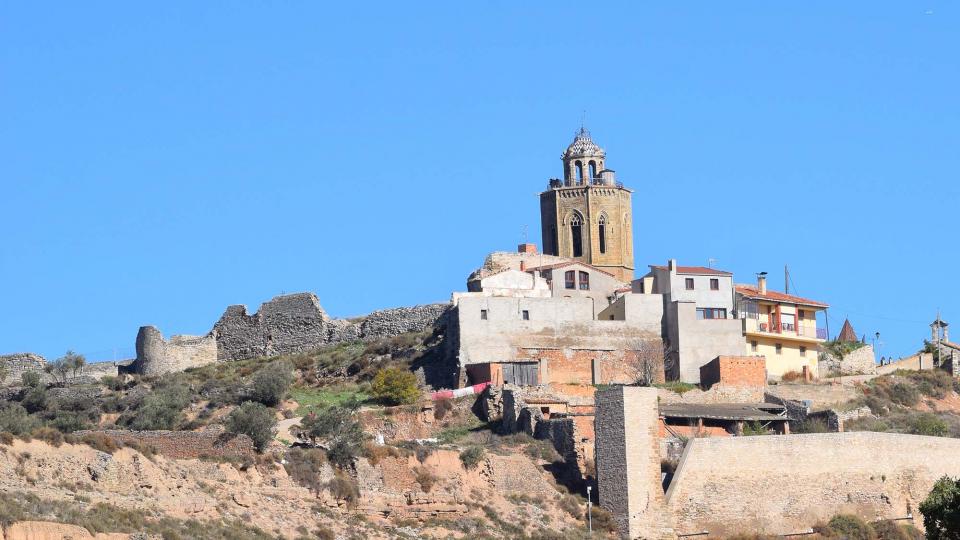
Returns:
(523,266)
(762,282)
(527,248)
(672,265)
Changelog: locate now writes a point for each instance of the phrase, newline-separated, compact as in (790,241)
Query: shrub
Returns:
(253,420)
(928,424)
(903,394)
(542,449)
(344,488)
(35,399)
(792,376)
(941,509)
(100,442)
(342,452)
(850,527)
(14,418)
(30,379)
(339,426)
(471,457)
(6,438)
(161,409)
(113,383)
(441,407)
(602,519)
(425,478)
(812,425)
(48,434)
(304,466)
(270,383)
(891,530)
(394,386)
(754,428)
(572,505)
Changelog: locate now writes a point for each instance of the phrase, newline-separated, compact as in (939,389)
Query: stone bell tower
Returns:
(587,216)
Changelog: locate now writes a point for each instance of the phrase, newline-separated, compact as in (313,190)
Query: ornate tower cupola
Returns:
(583,160)
(587,215)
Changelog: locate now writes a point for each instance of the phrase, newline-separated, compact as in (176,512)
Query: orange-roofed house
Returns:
(781,327)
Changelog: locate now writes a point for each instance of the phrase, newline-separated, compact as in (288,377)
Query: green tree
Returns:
(30,379)
(271,382)
(161,409)
(338,426)
(394,386)
(941,510)
(255,421)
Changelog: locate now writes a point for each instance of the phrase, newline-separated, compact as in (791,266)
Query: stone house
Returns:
(781,327)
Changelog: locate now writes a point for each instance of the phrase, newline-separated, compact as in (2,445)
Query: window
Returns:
(593,170)
(584,281)
(526,315)
(714,284)
(711,313)
(689,283)
(483,314)
(579,173)
(576,234)
(642,291)
(569,279)
(779,348)
(800,314)
(603,234)
(753,346)
(803,351)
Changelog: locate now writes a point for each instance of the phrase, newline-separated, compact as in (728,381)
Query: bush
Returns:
(6,438)
(394,386)
(161,409)
(48,434)
(941,509)
(14,418)
(304,465)
(100,442)
(850,527)
(339,426)
(30,379)
(812,425)
(903,394)
(344,488)
(441,407)
(35,399)
(573,506)
(603,520)
(425,478)
(471,457)
(270,383)
(891,530)
(928,424)
(253,420)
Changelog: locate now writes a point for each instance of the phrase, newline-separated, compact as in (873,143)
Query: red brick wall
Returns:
(735,371)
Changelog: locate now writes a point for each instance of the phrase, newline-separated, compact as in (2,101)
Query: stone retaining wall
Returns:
(184,444)
(860,361)
(15,365)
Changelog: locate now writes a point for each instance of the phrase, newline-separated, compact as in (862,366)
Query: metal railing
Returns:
(755,325)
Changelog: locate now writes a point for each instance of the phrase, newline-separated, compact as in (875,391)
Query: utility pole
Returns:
(786,280)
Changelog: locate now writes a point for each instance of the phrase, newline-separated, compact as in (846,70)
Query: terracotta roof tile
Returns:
(753,292)
(695,270)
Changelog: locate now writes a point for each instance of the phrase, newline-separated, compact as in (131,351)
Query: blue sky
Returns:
(162,162)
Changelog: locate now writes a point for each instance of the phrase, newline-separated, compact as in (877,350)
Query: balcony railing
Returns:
(755,325)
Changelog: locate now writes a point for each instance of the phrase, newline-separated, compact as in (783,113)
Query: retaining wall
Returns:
(184,444)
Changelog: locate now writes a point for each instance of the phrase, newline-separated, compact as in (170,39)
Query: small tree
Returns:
(394,386)
(161,409)
(30,379)
(645,362)
(340,428)
(270,384)
(255,421)
(941,509)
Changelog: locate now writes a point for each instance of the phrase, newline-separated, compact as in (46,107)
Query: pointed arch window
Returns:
(579,173)
(576,234)
(602,229)
(593,170)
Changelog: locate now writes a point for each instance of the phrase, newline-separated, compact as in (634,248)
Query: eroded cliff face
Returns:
(393,495)
(297,323)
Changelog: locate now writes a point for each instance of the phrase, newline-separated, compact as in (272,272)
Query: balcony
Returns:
(784,329)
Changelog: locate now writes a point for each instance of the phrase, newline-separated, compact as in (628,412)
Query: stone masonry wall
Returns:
(156,356)
(791,481)
(859,361)
(15,365)
(185,444)
(296,323)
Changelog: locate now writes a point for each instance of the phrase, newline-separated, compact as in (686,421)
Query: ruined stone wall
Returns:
(791,481)
(15,365)
(860,361)
(156,356)
(184,444)
(297,323)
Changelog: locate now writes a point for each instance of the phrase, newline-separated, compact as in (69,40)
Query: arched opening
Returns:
(576,234)
(593,170)
(553,242)
(579,173)
(602,229)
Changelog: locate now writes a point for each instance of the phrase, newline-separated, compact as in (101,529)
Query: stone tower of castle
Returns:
(587,215)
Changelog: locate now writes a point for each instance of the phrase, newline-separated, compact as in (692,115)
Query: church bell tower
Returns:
(587,216)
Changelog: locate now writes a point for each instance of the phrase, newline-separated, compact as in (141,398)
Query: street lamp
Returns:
(589,511)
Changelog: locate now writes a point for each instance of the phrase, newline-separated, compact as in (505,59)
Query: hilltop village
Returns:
(690,404)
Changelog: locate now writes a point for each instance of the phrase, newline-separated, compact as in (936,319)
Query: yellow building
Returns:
(781,327)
